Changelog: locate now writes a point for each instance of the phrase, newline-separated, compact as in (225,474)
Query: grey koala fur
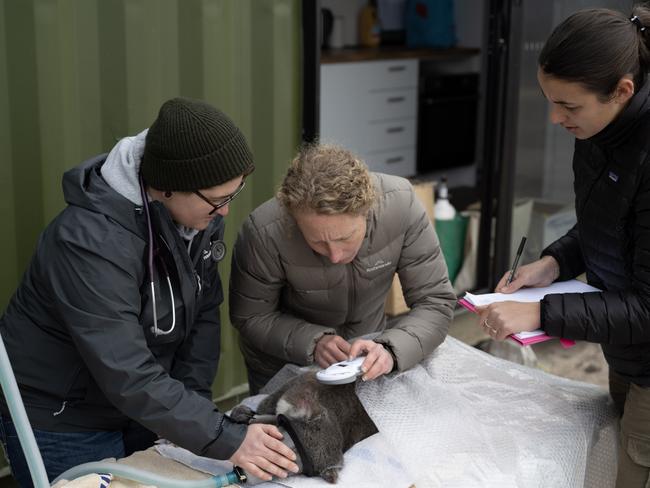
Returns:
(327,419)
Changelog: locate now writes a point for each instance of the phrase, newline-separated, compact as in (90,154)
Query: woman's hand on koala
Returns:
(379,360)
(263,454)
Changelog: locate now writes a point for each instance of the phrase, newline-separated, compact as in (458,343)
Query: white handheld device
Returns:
(341,373)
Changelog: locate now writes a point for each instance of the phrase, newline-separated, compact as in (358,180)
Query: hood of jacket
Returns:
(84,186)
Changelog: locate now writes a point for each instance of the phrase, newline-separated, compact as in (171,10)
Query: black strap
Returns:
(307,463)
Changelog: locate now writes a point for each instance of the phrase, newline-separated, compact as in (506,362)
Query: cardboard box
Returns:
(424,193)
(395,303)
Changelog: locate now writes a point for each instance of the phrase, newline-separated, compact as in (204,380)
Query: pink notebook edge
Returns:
(465,304)
(565,343)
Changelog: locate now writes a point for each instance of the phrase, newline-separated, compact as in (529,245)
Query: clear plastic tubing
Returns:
(146,477)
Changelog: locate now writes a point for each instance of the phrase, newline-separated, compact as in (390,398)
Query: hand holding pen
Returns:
(513,270)
(538,273)
(505,282)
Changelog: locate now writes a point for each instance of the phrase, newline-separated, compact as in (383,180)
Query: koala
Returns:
(323,421)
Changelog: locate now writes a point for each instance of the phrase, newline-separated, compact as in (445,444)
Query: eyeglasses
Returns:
(225,201)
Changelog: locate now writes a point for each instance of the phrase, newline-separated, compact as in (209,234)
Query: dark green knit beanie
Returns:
(192,146)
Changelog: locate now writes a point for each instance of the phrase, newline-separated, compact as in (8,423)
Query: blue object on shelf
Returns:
(430,23)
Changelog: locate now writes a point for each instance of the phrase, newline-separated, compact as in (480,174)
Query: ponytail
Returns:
(598,47)
(640,17)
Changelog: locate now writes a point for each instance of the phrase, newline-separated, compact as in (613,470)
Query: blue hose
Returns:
(35,461)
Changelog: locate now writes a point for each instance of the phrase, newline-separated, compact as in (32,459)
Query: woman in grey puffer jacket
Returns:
(313,266)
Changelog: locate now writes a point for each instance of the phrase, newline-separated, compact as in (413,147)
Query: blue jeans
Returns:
(63,450)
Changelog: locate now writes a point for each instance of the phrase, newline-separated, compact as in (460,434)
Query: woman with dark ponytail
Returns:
(594,72)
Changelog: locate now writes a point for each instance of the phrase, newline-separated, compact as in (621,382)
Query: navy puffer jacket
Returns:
(611,243)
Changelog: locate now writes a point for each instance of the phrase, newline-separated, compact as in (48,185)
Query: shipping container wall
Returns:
(77,75)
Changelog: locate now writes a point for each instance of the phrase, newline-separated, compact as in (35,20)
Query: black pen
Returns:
(516,263)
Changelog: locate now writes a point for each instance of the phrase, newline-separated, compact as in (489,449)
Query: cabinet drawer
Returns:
(400,162)
(372,136)
(368,76)
(381,135)
(387,75)
(381,105)
(370,108)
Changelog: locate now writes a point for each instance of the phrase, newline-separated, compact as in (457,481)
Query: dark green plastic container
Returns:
(451,234)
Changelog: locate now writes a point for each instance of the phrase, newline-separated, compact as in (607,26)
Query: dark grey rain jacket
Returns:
(78,329)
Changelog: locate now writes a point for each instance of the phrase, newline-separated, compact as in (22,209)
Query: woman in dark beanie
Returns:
(594,72)
(114,332)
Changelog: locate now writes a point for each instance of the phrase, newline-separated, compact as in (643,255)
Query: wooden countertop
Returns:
(355,54)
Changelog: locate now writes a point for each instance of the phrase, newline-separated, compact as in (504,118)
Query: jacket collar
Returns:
(617,132)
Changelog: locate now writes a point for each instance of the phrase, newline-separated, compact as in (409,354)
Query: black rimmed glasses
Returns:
(224,201)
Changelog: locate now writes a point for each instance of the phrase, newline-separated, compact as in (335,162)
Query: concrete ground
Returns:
(582,362)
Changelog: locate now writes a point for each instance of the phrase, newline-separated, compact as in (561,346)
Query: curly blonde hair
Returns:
(327,179)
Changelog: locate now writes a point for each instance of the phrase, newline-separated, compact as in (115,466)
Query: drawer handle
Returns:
(395,130)
(394,160)
(395,69)
(395,99)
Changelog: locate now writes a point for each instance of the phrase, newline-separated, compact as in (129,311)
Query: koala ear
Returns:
(330,474)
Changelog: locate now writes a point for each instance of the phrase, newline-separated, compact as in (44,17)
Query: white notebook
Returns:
(529,295)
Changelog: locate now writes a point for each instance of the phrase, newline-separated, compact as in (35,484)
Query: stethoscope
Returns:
(156,331)
(217,252)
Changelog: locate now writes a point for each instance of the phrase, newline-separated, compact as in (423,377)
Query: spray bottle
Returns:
(443,209)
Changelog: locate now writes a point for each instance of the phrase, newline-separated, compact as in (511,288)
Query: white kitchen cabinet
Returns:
(370,108)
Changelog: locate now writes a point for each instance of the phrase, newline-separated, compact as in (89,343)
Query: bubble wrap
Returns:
(463,418)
